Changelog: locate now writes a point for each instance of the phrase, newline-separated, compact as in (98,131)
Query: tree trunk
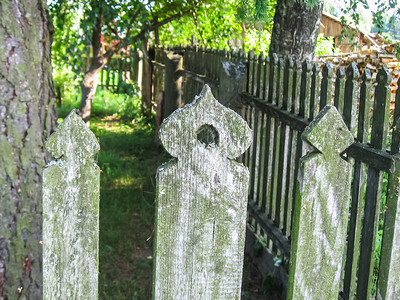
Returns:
(147,80)
(88,89)
(91,78)
(27,116)
(295,30)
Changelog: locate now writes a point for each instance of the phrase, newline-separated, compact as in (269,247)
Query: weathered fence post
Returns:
(71,213)
(321,210)
(173,83)
(232,80)
(201,203)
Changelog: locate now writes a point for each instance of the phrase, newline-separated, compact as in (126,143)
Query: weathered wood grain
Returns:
(201,203)
(71,213)
(321,211)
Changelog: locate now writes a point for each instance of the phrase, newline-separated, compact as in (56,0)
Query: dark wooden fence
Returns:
(279,99)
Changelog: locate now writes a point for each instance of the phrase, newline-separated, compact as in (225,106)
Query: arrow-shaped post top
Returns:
(205,123)
(72,139)
(328,132)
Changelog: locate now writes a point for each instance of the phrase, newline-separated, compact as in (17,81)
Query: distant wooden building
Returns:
(331,26)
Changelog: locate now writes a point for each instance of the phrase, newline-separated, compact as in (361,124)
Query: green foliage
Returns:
(258,41)
(257,14)
(325,46)
(212,24)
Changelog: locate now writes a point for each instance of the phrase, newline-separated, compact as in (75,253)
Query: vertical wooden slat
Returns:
(315,90)
(266,78)
(281,157)
(273,78)
(250,67)
(290,177)
(280,80)
(255,75)
(356,208)
(374,185)
(326,85)
(339,88)
(305,89)
(297,143)
(351,97)
(261,75)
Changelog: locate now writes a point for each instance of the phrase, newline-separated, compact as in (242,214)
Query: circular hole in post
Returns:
(208,136)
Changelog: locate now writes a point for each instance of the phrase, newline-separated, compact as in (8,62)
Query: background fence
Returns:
(279,98)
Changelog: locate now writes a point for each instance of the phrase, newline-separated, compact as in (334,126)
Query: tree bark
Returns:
(295,29)
(91,78)
(147,80)
(27,116)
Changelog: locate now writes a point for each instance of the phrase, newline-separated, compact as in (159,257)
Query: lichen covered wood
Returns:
(321,210)
(201,203)
(70,213)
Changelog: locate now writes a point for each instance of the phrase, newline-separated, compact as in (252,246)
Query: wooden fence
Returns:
(279,99)
(321,241)
(200,208)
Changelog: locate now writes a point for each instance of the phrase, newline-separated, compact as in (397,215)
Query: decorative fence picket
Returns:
(71,213)
(321,210)
(201,203)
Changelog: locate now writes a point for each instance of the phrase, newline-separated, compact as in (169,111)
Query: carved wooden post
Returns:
(71,213)
(201,203)
(321,212)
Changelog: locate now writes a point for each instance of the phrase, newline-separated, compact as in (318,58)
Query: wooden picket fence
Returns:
(279,98)
(316,203)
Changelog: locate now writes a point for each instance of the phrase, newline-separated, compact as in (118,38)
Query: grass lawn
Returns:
(128,161)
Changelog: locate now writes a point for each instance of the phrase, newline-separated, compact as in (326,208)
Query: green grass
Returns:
(105,103)
(128,160)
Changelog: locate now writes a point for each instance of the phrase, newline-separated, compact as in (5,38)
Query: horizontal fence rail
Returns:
(279,98)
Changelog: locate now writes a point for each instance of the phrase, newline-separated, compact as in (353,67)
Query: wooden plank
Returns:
(201,204)
(374,185)
(339,88)
(71,190)
(358,193)
(350,97)
(321,210)
(326,85)
(315,91)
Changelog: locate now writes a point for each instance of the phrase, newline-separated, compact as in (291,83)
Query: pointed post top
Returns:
(72,139)
(327,70)
(182,131)
(352,71)
(328,132)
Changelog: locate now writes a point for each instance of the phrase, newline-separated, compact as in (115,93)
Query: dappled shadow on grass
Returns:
(128,161)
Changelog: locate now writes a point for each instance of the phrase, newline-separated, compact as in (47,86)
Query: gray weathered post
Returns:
(173,83)
(201,203)
(232,80)
(321,210)
(71,213)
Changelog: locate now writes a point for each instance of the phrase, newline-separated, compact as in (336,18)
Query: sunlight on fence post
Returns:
(201,203)
(321,210)
(71,185)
